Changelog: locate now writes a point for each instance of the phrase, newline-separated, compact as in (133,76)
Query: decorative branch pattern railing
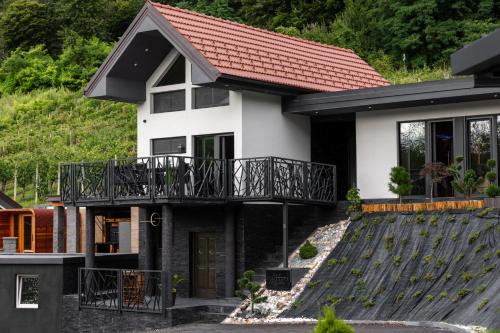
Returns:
(120,289)
(163,178)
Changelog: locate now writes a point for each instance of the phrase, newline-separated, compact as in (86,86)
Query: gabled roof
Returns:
(7,203)
(225,54)
(244,51)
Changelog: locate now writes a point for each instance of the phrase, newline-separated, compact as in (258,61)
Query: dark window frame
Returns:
(154,94)
(152,147)
(462,140)
(211,105)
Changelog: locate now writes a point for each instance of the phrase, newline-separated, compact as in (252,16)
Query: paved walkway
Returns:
(219,328)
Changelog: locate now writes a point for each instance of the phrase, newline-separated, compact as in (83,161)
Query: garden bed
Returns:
(422,206)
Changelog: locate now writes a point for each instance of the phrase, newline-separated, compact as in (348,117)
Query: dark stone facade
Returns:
(258,232)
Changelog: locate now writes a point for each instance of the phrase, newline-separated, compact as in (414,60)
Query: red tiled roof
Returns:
(248,52)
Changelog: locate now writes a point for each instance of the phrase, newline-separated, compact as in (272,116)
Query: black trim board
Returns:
(477,57)
(390,97)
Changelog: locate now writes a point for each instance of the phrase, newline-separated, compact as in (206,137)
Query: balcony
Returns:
(176,179)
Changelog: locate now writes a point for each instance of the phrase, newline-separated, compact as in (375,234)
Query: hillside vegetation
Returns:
(49,49)
(416,267)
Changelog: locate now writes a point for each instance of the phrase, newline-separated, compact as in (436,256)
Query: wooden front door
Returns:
(203,265)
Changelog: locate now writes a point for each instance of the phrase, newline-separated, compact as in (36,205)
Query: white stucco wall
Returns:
(190,122)
(377,140)
(268,132)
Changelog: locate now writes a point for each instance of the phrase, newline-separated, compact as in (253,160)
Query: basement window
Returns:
(27,291)
(206,97)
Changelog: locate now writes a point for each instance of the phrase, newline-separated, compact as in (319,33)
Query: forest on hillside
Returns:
(49,49)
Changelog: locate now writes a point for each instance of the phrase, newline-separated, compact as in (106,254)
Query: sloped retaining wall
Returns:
(428,266)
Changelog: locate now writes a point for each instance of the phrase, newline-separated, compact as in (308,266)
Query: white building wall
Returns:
(190,122)
(268,132)
(377,140)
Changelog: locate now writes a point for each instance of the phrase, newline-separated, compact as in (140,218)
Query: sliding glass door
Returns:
(412,152)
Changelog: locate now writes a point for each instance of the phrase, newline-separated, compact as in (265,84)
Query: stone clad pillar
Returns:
(58,230)
(167,241)
(230,249)
(146,259)
(9,244)
(73,229)
(90,237)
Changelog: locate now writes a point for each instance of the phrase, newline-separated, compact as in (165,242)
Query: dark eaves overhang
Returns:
(144,45)
(390,97)
(7,203)
(478,57)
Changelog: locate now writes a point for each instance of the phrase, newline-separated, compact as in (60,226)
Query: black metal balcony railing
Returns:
(178,178)
(120,289)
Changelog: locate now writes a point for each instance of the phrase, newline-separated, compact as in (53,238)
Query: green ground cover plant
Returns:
(308,251)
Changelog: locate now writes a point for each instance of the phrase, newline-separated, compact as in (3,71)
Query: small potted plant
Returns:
(176,280)
(492,190)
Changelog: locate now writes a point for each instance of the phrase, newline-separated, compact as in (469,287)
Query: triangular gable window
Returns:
(176,74)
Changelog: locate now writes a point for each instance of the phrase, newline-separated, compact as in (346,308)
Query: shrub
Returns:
(466,184)
(404,242)
(480,247)
(401,183)
(454,236)
(377,264)
(361,284)
(420,218)
(356,235)
(485,212)
(443,294)
(492,190)
(351,298)
(433,220)
(332,262)
(417,294)
(377,220)
(424,233)
(328,284)
(459,257)
(472,238)
(354,201)
(428,259)
(488,268)
(484,302)
(414,255)
(462,293)
(413,279)
(343,260)
(297,303)
(333,300)
(429,277)
(313,284)
(447,277)
(308,251)
(437,240)
(429,298)
(465,220)
(440,263)
(481,288)
(356,272)
(248,290)
(370,236)
(366,301)
(487,256)
(396,260)
(328,323)
(397,278)
(498,253)
(389,243)
(451,218)
(467,276)
(391,218)
(400,297)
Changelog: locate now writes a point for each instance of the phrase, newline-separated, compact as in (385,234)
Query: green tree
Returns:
(249,290)
(6,173)
(400,182)
(467,183)
(329,323)
(23,24)
(80,59)
(25,71)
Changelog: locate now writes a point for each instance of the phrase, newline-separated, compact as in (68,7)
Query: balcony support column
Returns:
(90,237)
(145,240)
(167,241)
(285,234)
(58,229)
(73,230)
(230,249)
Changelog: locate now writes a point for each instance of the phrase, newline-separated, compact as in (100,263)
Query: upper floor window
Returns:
(207,97)
(169,101)
(27,291)
(176,74)
(165,146)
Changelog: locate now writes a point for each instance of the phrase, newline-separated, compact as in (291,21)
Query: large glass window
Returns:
(412,152)
(479,145)
(206,97)
(169,101)
(166,146)
(27,291)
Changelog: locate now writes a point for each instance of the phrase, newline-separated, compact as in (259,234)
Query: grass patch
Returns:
(433,220)
(389,243)
(447,277)
(440,263)
(454,236)
(465,220)
(413,279)
(480,248)
(332,262)
(462,293)
(488,268)
(443,294)
(368,254)
(485,212)
(424,233)
(420,218)
(429,298)
(328,284)
(313,284)
(414,255)
(451,219)
(356,272)
(467,276)
(481,288)
(483,303)
(460,257)
(429,277)
(417,294)
(396,260)
(343,260)
(487,256)
(428,258)
(333,300)
(366,301)
(377,264)
(437,241)
(400,297)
